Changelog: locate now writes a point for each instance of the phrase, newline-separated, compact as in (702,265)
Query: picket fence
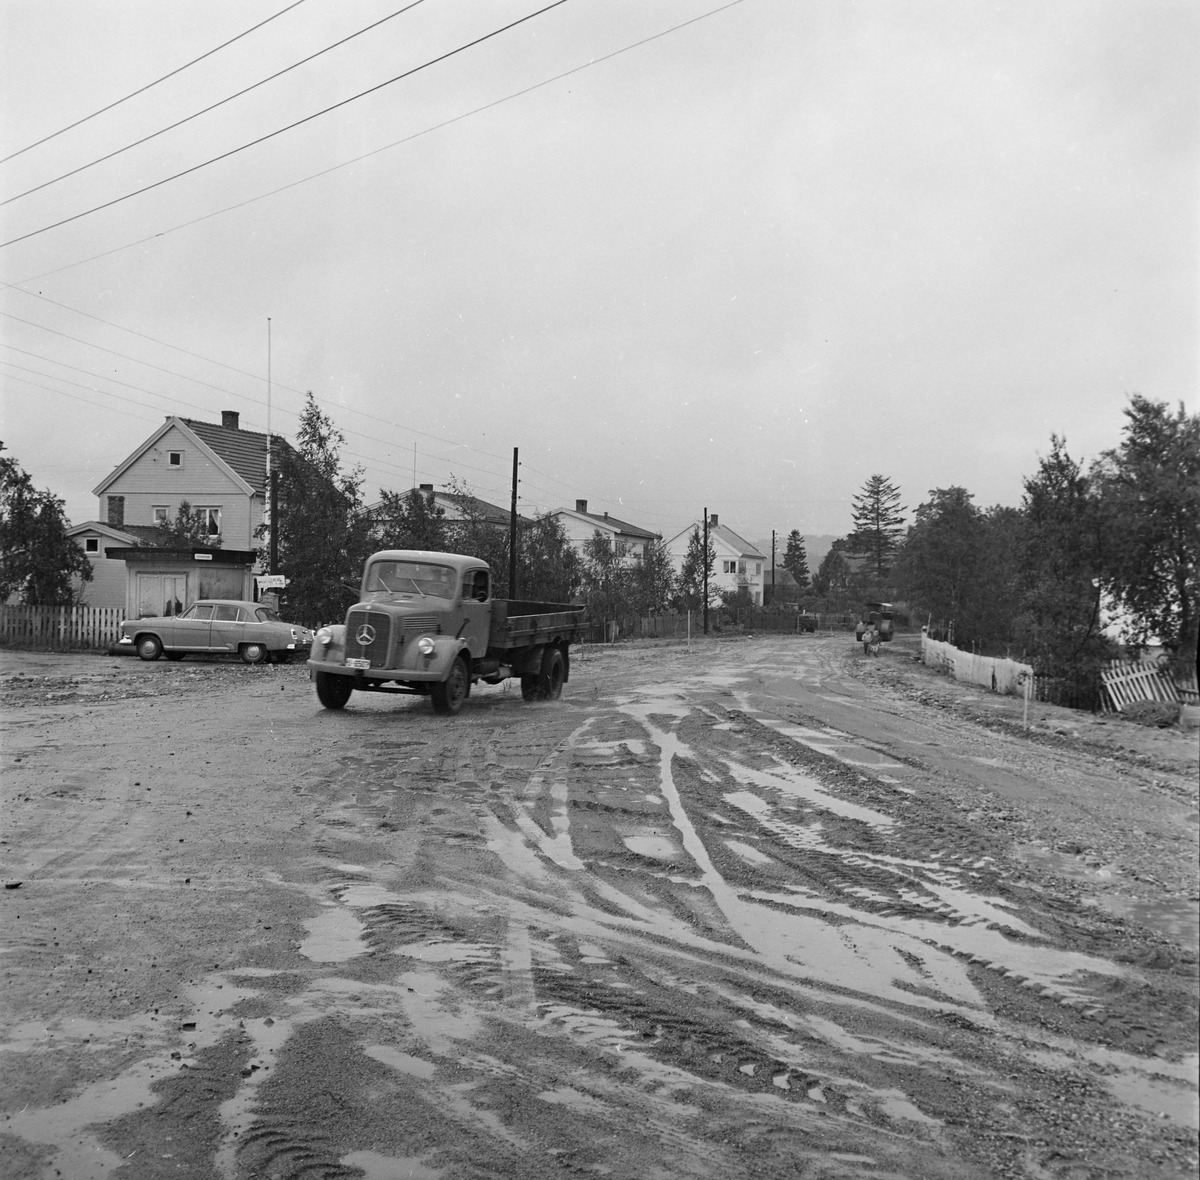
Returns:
(60,626)
(1002,676)
(1126,681)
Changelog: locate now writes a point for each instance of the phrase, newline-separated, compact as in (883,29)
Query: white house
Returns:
(737,562)
(629,541)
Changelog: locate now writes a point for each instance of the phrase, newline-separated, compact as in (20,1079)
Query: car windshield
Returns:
(265,614)
(410,577)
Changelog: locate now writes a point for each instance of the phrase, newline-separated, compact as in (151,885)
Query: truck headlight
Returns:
(425,645)
(324,636)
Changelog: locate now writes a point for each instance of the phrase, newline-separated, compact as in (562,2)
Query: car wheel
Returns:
(149,647)
(333,691)
(255,653)
(174,656)
(449,696)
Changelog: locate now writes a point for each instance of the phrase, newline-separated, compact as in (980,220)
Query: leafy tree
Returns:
(878,521)
(37,558)
(324,537)
(653,580)
(1149,493)
(606,579)
(409,520)
(1060,563)
(189,530)
(941,564)
(478,536)
(795,559)
(698,564)
(549,568)
(833,574)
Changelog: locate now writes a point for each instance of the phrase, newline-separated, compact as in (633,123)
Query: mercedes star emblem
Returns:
(365,635)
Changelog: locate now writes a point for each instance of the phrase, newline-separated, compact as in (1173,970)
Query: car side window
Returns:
(475,586)
(226,614)
(201,612)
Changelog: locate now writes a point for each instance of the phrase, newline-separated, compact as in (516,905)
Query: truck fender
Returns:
(335,651)
(446,649)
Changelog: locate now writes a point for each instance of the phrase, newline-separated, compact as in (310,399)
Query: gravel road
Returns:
(753,908)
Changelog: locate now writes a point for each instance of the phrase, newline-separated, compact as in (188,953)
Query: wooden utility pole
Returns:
(512,534)
(774,584)
(704,566)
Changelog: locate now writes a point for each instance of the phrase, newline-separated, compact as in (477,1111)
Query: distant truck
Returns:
(427,624)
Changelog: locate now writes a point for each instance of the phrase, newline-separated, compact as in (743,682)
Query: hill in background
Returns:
(815,547)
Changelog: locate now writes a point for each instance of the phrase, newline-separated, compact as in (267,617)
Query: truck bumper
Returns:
(432,675)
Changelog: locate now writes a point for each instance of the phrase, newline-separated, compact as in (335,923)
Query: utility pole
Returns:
(512,534)
(774,584)
(704,566)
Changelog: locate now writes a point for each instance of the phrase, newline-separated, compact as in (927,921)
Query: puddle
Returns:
(565,1096)
(433,951)
(333,937)
(365,896)
(748,853)
(790,781)
(656,847)
(404,1063)
(390,1167)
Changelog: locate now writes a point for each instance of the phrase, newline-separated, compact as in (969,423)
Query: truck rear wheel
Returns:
(449,696)
(548,683)
(333,691)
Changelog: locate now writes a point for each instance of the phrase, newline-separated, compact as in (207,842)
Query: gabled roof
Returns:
(779,577)
(605,521)
(122,534)
(462,503)
(740,544)
(242,454)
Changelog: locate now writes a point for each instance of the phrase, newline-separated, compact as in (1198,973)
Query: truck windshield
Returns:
(410,577)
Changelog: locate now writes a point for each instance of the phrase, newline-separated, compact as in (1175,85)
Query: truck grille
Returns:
(418,625)
(377,649)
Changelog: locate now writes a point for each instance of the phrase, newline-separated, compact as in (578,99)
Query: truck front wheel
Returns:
(448,697)
(333,691)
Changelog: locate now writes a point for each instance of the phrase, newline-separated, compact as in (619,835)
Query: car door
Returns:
(189,631)
(228,628)
(477,611)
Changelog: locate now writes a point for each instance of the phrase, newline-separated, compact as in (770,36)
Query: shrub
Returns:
(1157,714)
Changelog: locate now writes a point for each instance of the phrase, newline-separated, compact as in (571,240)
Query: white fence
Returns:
(1001,676)
(1126,682)
(60,626)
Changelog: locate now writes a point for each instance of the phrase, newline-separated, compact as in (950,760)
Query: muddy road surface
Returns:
(758,908)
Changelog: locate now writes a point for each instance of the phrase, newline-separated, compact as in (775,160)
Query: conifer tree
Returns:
(878,517)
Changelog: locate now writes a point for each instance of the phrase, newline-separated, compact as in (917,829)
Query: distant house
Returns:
(738,563)
(458,507)
(220,470)
(779,585)
(629,541)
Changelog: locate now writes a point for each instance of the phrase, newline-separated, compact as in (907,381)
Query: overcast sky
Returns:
(745,265)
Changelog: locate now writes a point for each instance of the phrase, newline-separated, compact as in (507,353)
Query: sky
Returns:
(681,254)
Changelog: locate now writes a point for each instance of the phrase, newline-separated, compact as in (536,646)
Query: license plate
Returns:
(358,663)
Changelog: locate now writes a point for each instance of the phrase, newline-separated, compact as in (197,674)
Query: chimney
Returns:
(606,516)
(426,487)
(580,505)
(229,419)
(712,520)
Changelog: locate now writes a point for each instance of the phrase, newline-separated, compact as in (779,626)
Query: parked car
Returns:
(217,625)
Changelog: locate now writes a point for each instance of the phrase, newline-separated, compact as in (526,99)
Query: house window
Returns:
(159,512)
(620,549)
(175,458)
(729,567)
(211,518)
(91,545)
(758,567)
(116,511)
(741,567)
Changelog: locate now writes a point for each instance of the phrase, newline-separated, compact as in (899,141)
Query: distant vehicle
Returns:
(807,622)
(216,626)
(427,624)
(878,616)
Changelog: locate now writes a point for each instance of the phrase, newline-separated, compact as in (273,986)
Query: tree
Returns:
(37,558)
(1060,563)
(324,537)
(698,565)
(606,579)
(409,520)
(653,579)
(878,521)
(189,530)
(795,559)
(477,536)
(549,568)
(832,579)
(1149,501)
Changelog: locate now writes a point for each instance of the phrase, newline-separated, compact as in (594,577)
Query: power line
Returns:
(379,150)
(281,130)
(86,401)
(143,89)
(213,107)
